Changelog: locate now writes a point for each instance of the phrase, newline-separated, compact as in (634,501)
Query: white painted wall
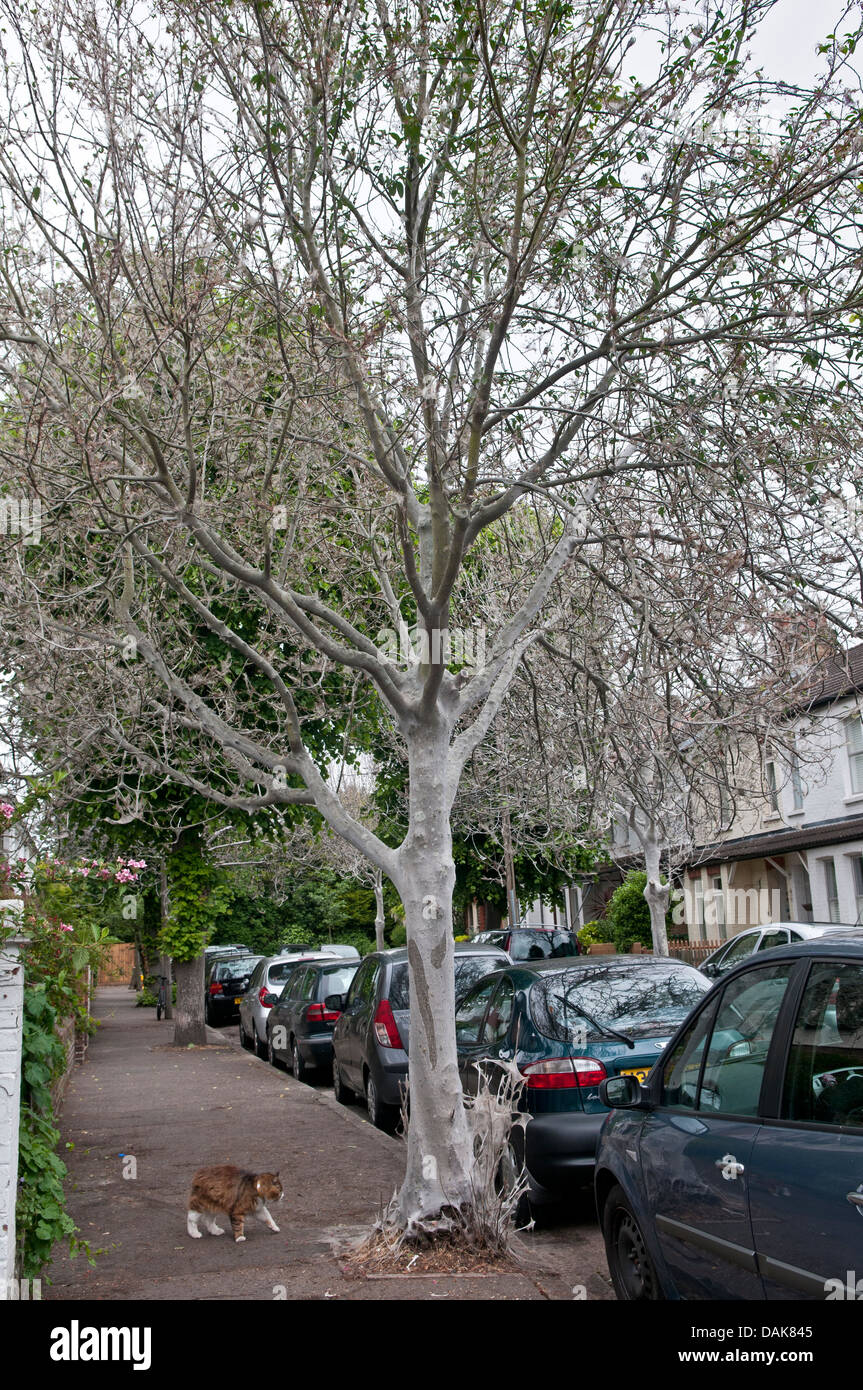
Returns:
(11,1007)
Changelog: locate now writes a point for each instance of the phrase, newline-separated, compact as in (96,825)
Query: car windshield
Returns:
(232,969)
(648,998)
(468,970)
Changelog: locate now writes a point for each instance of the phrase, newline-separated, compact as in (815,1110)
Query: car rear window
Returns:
(282,970)
(646,997)
(468,971)
(232,969)
(336,981)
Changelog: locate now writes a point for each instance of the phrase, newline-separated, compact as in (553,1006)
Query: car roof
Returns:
(396,954)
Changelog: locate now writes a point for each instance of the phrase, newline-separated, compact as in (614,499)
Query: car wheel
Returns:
(343,1094)
(509,1172)
(272,1058)
(382,1116)
(632,1270)
(244,1037)
(259,1048)
(299,1065)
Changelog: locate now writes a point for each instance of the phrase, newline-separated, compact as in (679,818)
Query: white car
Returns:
(269,979)
(763,938)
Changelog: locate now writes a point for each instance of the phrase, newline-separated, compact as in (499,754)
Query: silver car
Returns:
(266,984)
(764,938)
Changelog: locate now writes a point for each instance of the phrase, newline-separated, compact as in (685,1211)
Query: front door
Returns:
(696,1146)
(806,1191)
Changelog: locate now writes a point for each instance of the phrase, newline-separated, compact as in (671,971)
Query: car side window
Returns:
(681,1071)
(309,984)
(740,1041)
(294,987)
(471,1012)
(355,991)
(778,936)
(499,1014)
(741,947)
(824,1075)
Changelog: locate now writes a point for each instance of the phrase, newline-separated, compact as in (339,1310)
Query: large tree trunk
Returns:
(165,961)
(656,895)
(440,1150)
(189,1025)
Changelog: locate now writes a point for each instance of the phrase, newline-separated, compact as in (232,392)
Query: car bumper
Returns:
(560,1150)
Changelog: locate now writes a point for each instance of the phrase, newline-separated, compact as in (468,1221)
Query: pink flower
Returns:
(6,810)
(65,927)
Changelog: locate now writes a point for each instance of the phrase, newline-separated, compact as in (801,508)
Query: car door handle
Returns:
(856,1198)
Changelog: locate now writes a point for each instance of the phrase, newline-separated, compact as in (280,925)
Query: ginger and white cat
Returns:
(236,1193)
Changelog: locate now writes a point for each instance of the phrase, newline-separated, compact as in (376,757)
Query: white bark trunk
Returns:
(656,895)
(440,1148)
(380,921)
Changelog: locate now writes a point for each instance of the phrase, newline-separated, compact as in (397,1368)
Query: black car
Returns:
(531,943)
(567,1025)
(372,1036)
(226,981)
(736,1170)
(300,1026)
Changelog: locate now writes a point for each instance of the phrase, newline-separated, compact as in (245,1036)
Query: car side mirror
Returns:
(708,970)
(622,1093)
(334,1003)
(269,1000)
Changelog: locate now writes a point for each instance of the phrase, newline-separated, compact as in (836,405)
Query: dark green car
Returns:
(567,1025)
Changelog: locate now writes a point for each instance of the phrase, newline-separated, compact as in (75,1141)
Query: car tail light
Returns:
(262,996)
(216,988)
(563,1073)
(316,1013)
(386,1028)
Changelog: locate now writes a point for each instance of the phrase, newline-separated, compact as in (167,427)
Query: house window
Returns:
(719,905)
(832,890)
(854,743)
(857,868)
(772,789)
(796,782)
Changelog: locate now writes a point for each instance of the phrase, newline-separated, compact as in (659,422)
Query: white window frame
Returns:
(854,753)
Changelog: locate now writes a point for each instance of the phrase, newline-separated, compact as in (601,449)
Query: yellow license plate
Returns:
(641,1072)
(239,1001)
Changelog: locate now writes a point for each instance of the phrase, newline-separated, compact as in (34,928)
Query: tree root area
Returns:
(443,1254)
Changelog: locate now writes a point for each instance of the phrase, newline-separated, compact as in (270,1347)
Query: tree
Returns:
(315,296)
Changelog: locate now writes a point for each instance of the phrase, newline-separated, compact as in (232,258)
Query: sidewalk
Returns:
(176,1110)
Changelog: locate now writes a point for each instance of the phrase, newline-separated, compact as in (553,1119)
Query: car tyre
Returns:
(382,1116)
(343,1094)
(299,1066)
(245,1040)
(633,1273)
(273,1059)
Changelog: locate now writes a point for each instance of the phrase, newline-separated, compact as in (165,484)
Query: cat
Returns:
(235,1192)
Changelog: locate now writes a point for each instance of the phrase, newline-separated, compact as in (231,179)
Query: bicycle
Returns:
(162,998)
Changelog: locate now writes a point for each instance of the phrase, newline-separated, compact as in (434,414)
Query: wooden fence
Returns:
(693,952)
(119,965)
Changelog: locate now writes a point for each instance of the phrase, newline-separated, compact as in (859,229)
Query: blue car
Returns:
(567,1024)
(736,1170)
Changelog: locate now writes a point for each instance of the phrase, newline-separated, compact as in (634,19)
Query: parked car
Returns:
(736,1170)
(264,988)
(531,943)
(372,1036)
(568,1025)
(330,948)
(231,946)
(300,1026)
(226,983)
(764,938)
